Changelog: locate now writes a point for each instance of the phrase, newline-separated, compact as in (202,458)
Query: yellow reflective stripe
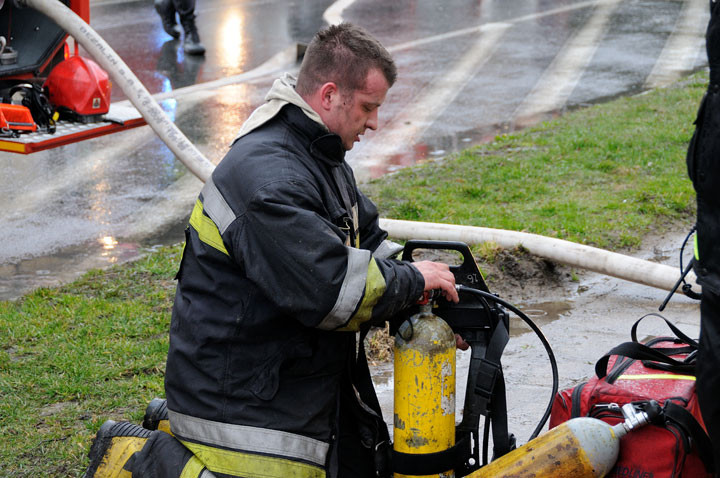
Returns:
(661,376)
(206,228)
(374,289)
(695,247)
(192,468)
(249,465)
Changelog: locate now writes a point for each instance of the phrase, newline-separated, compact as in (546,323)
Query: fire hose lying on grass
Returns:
(480,317)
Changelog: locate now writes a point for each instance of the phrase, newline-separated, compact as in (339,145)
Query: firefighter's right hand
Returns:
(438,276)
(712,41)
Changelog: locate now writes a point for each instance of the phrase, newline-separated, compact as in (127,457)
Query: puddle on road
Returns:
(541,313)
(382,375)
(19,278)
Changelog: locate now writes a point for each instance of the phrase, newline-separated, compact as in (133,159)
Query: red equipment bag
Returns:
(79,89)
(676,444)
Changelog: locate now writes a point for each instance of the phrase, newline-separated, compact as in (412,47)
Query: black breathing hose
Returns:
(546,344)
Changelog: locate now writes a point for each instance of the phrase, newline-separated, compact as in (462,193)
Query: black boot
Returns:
(192,45)
(156,416)
(166,10)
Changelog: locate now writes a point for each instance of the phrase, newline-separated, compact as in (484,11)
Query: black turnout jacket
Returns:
(284,261)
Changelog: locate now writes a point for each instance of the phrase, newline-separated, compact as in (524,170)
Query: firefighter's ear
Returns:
(329,94)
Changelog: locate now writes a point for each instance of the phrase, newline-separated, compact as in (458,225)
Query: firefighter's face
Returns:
(355,112)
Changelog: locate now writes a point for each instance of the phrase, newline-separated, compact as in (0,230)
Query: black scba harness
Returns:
(482,320)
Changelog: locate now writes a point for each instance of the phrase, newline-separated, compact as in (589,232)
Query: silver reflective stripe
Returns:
(216,207)
(351,290)
(251,439)
(206,474)
(387,250)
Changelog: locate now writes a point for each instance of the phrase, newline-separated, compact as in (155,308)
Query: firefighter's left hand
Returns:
(460,343)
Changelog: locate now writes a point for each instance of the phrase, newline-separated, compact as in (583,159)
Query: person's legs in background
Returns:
(185,9)
(186,12)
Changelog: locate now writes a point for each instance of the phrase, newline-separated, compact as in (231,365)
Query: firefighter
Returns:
(284,264)
(703,161)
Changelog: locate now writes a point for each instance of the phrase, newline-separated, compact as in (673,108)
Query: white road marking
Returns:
(269,70)
(333,14)
(425,108)
(476,29)
(683,46)
(560,78)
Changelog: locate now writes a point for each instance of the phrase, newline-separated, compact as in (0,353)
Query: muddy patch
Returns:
(55,408)
(521,277)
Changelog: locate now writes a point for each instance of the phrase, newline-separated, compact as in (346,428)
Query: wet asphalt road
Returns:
(467,70)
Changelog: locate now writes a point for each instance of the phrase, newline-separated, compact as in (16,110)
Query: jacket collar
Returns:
(326,147)
(282,93)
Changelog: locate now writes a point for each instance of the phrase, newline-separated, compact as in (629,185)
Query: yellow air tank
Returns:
(424,413)
(582,448)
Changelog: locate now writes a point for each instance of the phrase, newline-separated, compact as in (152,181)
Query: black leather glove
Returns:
(712,42)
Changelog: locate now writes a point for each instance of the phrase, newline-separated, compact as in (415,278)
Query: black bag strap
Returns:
(650,357)
(341,184)
(678,333)
(680,416)
(575,399)
(654,357)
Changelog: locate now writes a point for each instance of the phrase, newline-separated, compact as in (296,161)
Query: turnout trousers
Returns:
(708,364)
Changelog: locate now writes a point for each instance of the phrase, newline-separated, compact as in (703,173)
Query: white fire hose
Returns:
(564,252)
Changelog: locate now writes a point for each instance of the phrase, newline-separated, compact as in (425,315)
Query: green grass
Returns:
(74,356)
(71,357)
(602,176)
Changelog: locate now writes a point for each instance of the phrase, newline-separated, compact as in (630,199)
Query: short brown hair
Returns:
(343,54)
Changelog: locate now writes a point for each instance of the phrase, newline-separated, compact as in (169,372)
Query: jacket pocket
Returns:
(266,382)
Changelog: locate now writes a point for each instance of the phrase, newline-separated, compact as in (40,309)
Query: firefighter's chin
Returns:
(348,145)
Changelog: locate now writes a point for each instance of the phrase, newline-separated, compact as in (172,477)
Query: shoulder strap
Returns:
(369,411)
(438,462)
(682,417)
(350,206)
